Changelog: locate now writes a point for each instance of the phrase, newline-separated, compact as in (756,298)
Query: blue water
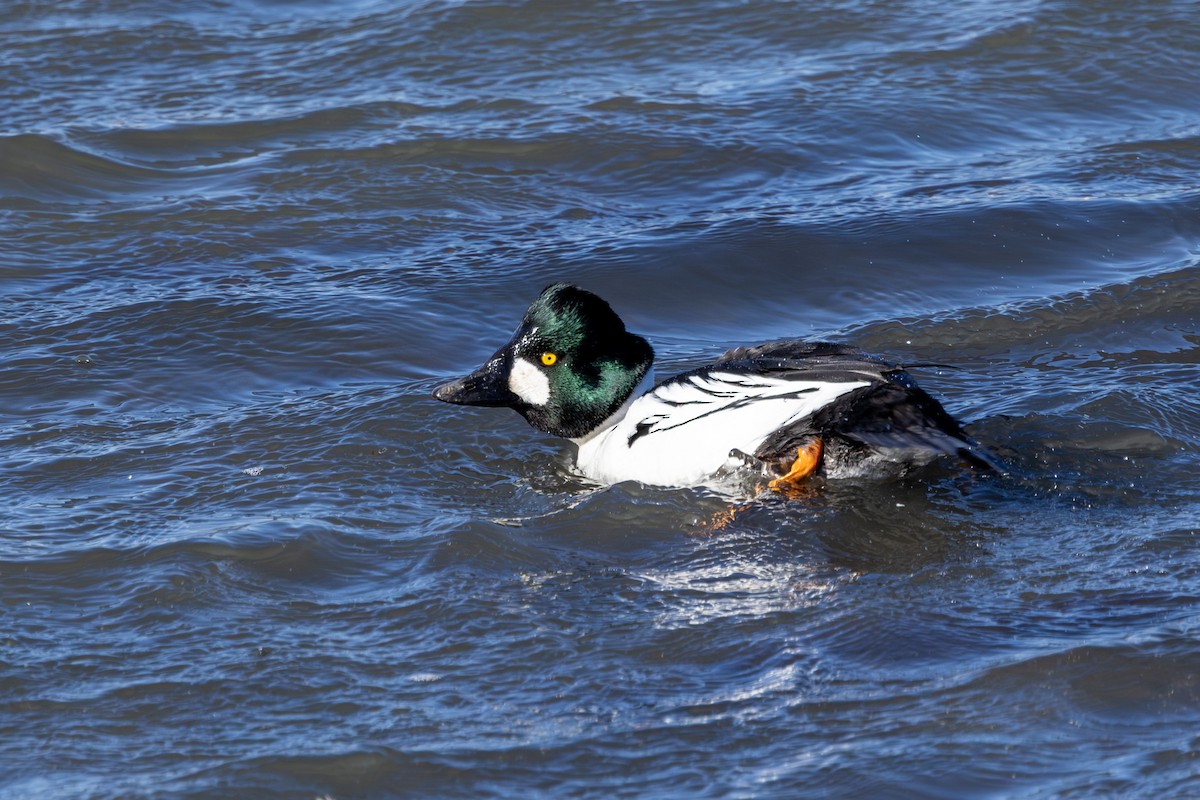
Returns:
(244,554)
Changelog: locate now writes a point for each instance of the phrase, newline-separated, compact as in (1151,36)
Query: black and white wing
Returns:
(743,402)
(891,414)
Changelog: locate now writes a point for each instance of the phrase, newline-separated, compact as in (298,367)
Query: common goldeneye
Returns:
(787,409)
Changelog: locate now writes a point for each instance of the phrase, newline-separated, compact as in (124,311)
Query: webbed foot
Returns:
(808,459)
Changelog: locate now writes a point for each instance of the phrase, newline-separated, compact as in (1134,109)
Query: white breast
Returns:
(682,432)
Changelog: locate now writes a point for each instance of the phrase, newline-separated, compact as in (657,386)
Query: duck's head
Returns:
(570,365)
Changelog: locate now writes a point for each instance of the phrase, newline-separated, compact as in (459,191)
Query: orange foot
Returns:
(808,458)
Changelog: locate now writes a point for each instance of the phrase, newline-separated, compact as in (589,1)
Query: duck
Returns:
(785,412)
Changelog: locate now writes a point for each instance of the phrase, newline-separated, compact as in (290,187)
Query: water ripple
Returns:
(245,553)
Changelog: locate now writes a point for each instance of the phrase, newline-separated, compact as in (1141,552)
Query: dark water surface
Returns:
(243,554)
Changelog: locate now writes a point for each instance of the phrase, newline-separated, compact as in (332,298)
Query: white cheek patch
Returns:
(529,383)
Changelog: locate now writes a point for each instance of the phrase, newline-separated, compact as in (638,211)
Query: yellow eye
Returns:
(549,358)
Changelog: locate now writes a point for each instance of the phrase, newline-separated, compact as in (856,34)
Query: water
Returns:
(243,554)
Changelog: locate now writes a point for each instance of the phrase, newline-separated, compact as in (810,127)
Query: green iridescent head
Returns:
(570,365)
